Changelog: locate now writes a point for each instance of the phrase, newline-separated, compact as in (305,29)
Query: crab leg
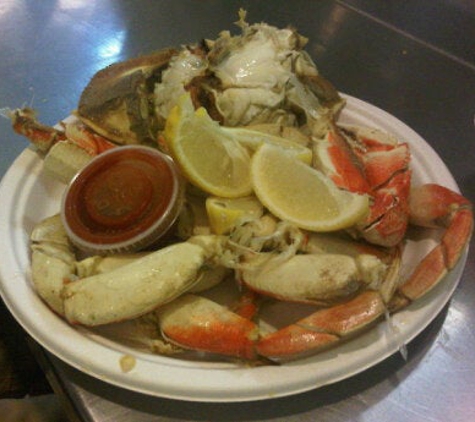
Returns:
(329,325)
(197,323)
(323,328)
(66,150)
(79,134)
(24,123)
(386,166)
(334,157)
(431,206)
(327,269)
(43,137)
(388,219)
(436,206)
(102,289)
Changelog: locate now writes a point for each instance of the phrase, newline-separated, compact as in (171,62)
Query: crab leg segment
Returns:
(197,323)
(386,168)
(24,123)
(247,305)
(43,137)
(388,219)
(322,328)
(435,206)
(385,281)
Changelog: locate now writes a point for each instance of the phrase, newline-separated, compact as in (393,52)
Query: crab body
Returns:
(260,76)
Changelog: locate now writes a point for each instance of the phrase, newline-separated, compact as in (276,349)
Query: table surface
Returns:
(415,61)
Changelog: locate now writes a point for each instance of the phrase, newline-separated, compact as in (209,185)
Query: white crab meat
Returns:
(261,60)
(181,70)
(258,76)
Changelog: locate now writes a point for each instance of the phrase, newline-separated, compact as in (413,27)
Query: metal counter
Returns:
(417,62)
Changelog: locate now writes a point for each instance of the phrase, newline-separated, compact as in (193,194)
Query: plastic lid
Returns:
(124,200)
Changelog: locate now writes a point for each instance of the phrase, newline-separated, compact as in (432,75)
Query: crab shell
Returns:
(116,102)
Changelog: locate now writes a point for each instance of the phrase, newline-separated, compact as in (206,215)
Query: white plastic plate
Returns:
(28,196)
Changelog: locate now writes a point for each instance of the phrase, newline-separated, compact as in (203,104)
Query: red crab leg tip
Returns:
(457,236)
(43,137)
(247,305)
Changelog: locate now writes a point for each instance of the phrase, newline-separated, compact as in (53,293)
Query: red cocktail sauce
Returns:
(123,200)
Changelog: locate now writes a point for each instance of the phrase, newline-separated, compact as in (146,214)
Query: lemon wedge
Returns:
(209,157)
(226,213)
(253,139)
(298,193)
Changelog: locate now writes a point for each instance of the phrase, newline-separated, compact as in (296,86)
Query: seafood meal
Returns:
(274,201)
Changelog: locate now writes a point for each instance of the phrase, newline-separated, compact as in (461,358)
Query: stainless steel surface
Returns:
(50,49)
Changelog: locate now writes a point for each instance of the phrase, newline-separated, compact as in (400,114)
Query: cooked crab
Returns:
(259,78)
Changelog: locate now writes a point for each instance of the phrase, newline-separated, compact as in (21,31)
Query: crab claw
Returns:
(136,288)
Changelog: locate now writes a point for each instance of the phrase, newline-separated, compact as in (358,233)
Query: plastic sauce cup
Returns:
(123,200)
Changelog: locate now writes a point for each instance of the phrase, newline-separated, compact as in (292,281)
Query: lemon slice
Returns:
(253,139)
(224,213)
(209,157)
(298,193)
(291,133)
